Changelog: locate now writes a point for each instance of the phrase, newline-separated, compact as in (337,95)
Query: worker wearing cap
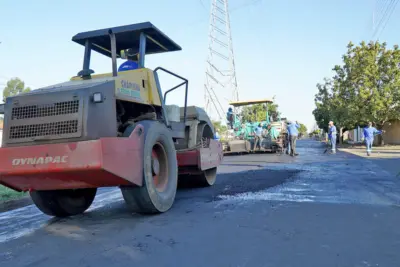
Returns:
(369,134)
(229,117)
(131,63)
(293,130)
(332,136)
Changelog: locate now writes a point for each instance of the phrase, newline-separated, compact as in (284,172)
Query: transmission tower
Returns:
(220,85)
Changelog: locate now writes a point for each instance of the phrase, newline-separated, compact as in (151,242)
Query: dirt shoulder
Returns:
(388,151)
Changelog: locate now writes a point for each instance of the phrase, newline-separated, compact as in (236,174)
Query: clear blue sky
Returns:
(282,48)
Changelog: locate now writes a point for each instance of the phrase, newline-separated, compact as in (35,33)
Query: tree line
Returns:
(364,88)
(13,87)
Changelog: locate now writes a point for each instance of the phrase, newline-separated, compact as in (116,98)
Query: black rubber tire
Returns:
(63,203)
(147,199)
(206,177)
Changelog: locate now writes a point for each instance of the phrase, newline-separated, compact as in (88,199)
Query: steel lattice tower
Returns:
(220,83)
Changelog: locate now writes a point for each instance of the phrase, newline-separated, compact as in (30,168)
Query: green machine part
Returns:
(274,133)
(250,127)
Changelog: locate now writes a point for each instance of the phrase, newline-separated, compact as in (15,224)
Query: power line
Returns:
(202,4)
(390,15)
(383,4)
(383,9)
(375,14)
(385,18)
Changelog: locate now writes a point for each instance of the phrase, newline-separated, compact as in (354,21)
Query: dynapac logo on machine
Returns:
(39,160)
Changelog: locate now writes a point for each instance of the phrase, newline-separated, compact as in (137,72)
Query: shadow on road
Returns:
(109,209)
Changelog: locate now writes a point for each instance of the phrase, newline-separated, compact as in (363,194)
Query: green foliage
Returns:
(316,132)
(7,194)
(14,86)
(221,129)
(258,112)
(366,87)
(302,129)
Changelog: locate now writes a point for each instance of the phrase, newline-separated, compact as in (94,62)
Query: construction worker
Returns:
(258,136)
(288,140)
(131,63)
(293,134)
(216,136)
(230,117)
(332,136)
(369,134)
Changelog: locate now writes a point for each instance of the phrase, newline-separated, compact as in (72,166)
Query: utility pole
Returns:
(220,81)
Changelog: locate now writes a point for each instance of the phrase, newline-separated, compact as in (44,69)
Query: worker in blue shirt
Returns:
(216,136)
(230,117)
(257,136)
(131,63)
(369,134)
(332,136)
(293,134)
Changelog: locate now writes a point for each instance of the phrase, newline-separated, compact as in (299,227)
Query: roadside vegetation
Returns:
(7,194)
(13,87)
(364,88)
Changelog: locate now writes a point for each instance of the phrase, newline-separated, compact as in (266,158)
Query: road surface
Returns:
(265,210)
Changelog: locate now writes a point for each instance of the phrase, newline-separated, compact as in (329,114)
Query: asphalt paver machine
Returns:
(241,138)
(64,141)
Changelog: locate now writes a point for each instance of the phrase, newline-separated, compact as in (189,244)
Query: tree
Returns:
(302,129)
(258,112)
(323,112)
(221,129)
(14,86)
(366,87)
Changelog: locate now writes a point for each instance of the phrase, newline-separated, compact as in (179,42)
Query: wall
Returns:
(354,135)
(392,134)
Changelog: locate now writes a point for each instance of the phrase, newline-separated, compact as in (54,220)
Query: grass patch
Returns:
(9,194)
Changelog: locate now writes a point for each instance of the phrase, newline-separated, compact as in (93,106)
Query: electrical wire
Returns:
(385,8)
(391,6)
(202,4)
(383,2)
(389,16)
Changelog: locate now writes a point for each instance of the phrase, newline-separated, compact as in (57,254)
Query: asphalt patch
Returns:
(237,183)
